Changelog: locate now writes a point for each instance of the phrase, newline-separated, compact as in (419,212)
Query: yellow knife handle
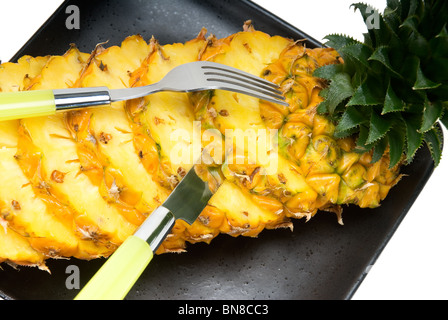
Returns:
(123,268)
(25,104)
(120,272)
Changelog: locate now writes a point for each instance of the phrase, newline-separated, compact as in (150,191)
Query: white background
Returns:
(414,264)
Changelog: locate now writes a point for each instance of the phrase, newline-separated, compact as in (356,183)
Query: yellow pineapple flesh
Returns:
(49,156)
(106,151)
(15,247)
(77,184)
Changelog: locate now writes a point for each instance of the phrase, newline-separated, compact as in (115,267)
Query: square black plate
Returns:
(318,260)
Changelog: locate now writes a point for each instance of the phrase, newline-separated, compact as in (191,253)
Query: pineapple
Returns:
(96,174)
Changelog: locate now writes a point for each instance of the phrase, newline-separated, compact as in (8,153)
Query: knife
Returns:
(123,268)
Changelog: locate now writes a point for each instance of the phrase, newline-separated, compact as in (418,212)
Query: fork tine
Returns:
(234,71)
(253,91)
(247,85)
(244,80)
(236,80)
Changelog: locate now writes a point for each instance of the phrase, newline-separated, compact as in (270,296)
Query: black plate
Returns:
(318,260)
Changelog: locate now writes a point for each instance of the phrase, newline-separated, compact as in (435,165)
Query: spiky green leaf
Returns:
(439,45)
(329,71)
(434,140)
(414,138)
(402,64)
(444,118)
(361,145)
(415,41)
(392,14)
(346,133)
(369,93)
(379,126)
(392,103)
(352,117)
(339,90)
(431,113)
(337,41)
(423,83)
(379,31)
(438,70)
(409,67)
(358,52)
(397,140)
(381,54)
(379,149)
(410,23)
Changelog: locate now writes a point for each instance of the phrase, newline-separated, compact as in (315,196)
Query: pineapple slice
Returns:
(158,118)
(243,215)
(24,236)
(69,65)
(27,214)
(16,249)
(249,51)
(120,174)
(16,76)
(59,166)
(166,113)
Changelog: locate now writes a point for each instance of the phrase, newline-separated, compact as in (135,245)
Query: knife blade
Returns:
(123,268)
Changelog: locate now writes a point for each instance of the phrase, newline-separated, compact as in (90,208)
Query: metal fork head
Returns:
(205,75)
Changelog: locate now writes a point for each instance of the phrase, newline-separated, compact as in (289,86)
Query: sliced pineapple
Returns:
(77,184)
(17,76)
(108,150)
(242,215)
(47,232)
(166,115)
(250,51)
(60,170)
(164,122)
(29,215)
(16,249)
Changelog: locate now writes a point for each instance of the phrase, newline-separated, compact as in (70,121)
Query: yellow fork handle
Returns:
(26,104)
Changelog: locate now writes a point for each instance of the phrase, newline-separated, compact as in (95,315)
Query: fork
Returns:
(189,77)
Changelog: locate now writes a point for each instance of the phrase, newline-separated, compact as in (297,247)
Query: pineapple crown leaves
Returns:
(392,89)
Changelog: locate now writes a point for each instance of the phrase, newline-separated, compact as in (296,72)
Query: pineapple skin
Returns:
(123,162)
